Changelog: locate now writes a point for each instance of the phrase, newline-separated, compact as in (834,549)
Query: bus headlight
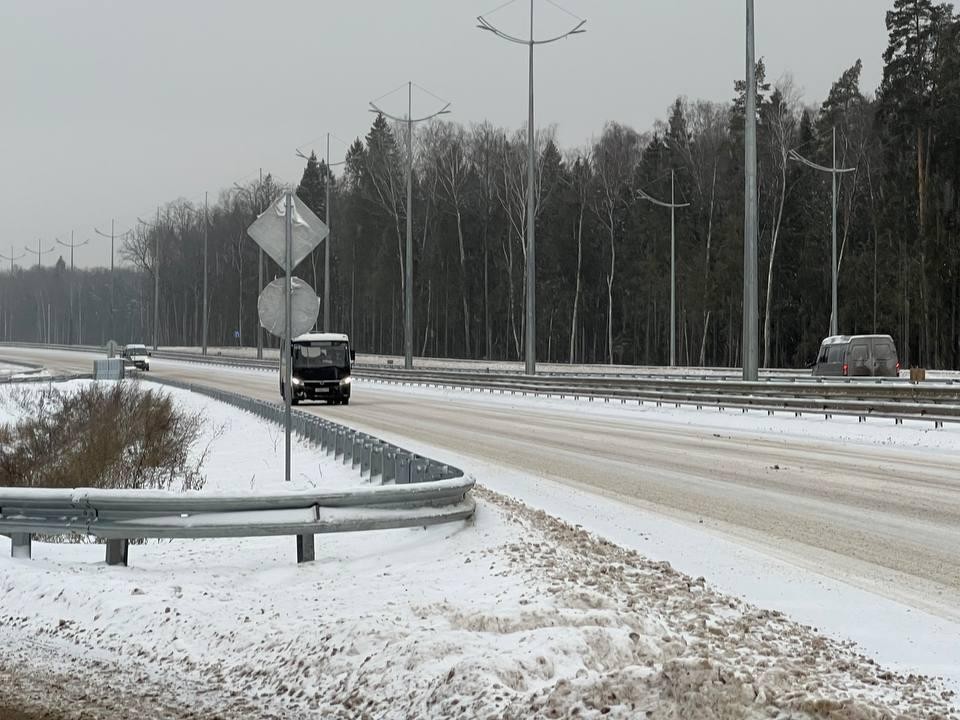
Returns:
(296,381)
(345,381)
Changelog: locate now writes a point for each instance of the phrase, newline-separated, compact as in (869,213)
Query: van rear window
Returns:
(836,353)
(883,350)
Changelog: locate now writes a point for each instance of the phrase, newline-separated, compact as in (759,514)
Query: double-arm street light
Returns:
(112,235)
(834,171)
(408,269)
(530,342)
(673,205)
(73,246)
(326,249)
(39,252)
(12,258)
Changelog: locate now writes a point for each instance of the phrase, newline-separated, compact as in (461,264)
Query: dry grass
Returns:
(104,435)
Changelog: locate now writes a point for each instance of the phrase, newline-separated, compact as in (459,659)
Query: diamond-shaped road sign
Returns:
(269,231)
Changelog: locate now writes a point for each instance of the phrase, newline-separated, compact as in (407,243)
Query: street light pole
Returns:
(408,270)
(834,171)
(156,276)
(8,331)
(673,260)
(39,253)
(112,237)
(328,180)
(257,200)
(73,246)
(530,339)
(206,226)
(11,257)
(751,345)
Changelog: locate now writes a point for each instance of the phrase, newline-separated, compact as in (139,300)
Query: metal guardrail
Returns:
(411,490)
(890,398)
(938,410)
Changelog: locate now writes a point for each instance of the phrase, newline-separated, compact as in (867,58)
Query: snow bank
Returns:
(516,616)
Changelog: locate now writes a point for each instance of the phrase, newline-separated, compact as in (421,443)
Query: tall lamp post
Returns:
(408,269)
(73,246)
(326,248)
(530,341)
(751,316)
(11,257)
(112,237)
(255,200)
(156,276)
(834,171)
(39,252)
(674,206)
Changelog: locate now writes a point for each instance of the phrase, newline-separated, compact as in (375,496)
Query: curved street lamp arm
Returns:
(301,155)
(794,155)
(443,111)
(72,245)
(485,24)
(649,198)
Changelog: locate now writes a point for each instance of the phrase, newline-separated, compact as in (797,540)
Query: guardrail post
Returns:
(389,466)
(306,551)
(348,439)
(117,551)
(376,462)
(366,455)
(403,469)
(338,446)
(22,547)
(420,468)
(358,443)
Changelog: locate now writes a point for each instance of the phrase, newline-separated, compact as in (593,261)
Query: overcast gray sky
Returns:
(112,106)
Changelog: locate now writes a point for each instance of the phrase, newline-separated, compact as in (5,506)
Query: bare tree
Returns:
(781,123)
(615,156)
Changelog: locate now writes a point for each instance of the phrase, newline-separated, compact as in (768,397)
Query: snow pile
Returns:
(516,616)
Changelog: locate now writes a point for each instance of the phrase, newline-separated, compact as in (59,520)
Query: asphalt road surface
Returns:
(885,519)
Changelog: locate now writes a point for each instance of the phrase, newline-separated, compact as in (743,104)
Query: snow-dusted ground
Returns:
(514,615)
(839,428)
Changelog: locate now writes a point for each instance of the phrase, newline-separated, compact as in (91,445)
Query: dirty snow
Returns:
(513,615)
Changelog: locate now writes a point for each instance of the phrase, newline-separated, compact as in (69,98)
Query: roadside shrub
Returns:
(104,435)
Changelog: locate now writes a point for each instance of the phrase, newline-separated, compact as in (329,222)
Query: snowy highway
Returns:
(854,503)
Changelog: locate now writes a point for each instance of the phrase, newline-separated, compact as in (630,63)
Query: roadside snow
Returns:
(839,428)
(514,615)
(243,452)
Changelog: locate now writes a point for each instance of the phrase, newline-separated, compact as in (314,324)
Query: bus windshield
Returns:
(320,355)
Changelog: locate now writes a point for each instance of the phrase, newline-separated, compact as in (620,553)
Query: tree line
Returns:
(603,250)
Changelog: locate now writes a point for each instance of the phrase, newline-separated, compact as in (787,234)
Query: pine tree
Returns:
(312,187)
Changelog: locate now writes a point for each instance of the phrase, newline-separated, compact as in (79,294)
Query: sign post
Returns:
(287,231)
(288,339)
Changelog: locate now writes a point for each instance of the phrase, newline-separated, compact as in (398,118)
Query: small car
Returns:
(136,355)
